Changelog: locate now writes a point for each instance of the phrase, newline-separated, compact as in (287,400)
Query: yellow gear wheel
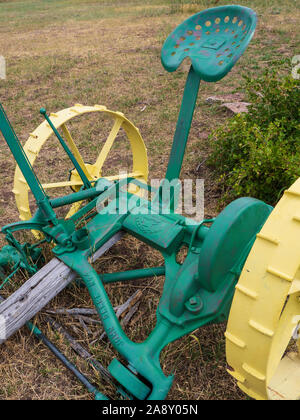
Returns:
(266,308)
(41,134)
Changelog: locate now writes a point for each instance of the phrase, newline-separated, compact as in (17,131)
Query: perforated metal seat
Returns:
(214,40)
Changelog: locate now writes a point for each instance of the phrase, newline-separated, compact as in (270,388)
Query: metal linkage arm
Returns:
(25,166)
(82,175)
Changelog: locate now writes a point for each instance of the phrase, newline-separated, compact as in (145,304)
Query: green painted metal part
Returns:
(82,175)
(214,40)
(187,301)
(197,292)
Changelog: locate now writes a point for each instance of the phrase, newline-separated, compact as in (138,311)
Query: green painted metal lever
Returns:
(25,167)
(82,175)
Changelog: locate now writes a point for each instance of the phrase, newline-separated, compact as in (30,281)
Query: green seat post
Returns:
(183,125)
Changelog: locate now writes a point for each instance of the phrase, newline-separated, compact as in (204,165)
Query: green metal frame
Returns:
(197,292)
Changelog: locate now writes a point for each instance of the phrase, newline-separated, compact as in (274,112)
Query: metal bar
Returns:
(74,197)
(82,378)
(133,274)
(183,125)
(75,150)
(38,334)
(25,166)
(82,175)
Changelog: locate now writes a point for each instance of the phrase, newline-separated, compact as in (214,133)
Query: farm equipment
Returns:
(248,240)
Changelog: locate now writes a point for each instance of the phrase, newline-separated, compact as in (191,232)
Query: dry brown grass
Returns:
(113,59)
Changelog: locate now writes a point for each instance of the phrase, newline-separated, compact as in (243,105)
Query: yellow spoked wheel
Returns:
(265,313)
(42,133)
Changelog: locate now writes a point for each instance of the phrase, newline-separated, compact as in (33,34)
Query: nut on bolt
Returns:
(194,304)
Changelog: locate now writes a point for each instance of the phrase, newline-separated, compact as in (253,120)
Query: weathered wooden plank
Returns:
(33,295)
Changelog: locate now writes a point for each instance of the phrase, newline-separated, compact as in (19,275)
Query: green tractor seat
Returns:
(214,40)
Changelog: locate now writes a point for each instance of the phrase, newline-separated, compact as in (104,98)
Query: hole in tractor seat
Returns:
(182,38)
(244,27)
(192,43)
(235,19)
(190,32)
(198,27)
(221,63)
(208,23)
(187,49)
(173,53)
(207,33)
(217,21)
(198,38)
(176,46)
(217,30)
(240,23)
(227,19)
(227,30)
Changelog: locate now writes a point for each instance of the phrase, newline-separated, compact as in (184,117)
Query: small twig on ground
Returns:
(84,326)
(75,311)
(79,349)
(131,305)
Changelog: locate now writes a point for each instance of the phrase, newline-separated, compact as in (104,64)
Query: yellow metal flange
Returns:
(59,119)
(266,308)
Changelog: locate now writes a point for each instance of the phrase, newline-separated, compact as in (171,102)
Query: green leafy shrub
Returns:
(258,154)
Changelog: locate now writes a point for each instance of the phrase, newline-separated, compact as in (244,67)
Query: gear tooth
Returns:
(264,306)
(261,328)
(248,292)
(235,340)
(267,238)
(281,275)
(292,192)
(253,372)
(22,180)
(236,375)
(100,107)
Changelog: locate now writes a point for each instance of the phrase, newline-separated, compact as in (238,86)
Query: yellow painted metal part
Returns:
(41,134)
(266,308)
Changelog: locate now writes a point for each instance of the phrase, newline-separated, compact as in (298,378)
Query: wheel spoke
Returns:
(108,144)
(75,150)
(122,176)
(62,184)
(74,209)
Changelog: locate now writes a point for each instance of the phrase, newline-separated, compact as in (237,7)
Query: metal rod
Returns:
(183,125)
(82,378)
(133,274)
(38,334)
(25,166)
(82,175)
(74,197)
